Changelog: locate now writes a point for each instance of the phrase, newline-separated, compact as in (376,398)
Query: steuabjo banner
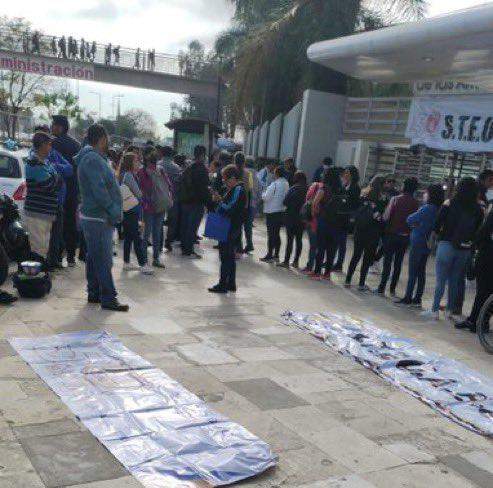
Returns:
(452,123)
(39,65)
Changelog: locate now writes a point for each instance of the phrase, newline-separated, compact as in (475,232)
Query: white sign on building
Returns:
(446,87)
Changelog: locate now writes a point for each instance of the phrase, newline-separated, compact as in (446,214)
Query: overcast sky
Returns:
(166,25)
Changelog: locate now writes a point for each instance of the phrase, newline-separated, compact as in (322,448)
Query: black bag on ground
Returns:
(32,286)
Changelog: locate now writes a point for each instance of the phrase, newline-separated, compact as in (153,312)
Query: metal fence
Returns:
(82,50)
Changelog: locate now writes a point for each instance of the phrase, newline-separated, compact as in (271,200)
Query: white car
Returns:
(12,175)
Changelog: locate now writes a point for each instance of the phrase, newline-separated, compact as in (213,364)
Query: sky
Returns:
(165,25)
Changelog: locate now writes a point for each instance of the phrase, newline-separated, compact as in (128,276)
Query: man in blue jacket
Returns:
(101,210)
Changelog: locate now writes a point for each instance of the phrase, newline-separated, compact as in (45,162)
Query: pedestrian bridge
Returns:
(41,54)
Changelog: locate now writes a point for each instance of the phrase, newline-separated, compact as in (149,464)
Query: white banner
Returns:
(452,123)
(39,65)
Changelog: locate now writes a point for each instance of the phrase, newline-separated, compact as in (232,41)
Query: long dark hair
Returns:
(374,190)
(436,195)
(466,193)
(332,181)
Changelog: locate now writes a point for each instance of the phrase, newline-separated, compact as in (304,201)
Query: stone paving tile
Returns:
(203,354)
(481,459)
(410,453)
(21,480)
(57,427)
(243,371)
(156,325)
(13,459)
(11,390)
(310,383)
(6,349)
(266,394)
(127,482)
(419,476)
(71,459)
(472,472)
(269,353)
(350,481)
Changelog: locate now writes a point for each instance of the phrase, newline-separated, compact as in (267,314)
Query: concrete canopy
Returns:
(457,46)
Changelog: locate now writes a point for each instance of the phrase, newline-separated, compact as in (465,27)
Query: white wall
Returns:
(274,139)
(248,147)
(264,135)
(255,141)
(321,129)
(290,132)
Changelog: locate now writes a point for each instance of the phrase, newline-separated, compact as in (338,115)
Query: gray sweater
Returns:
(129,180)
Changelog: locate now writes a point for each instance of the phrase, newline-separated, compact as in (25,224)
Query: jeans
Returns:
(153,224)
(70,232)
(131,235)
(191,217)
(312,254)
(228,262)
(418,257)
(450,265)
(327,239)
(56,239)
(341,249)
(366,247)
(274,222)
(294,232)
(99,260)
(248,226)
(394,249)
(173,233)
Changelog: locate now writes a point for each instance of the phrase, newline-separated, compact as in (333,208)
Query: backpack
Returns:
(364,220)
(32,286)
(464,231)
(334,210)
(185,186)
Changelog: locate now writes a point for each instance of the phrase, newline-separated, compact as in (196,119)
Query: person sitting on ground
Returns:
(274,208)
(101,210)
(396,236)
(232,205)
(368,227)
(422,224)
(458,221)
(43,186)
(294,201)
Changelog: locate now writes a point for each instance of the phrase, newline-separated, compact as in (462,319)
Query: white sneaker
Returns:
(430,314)
(146,270)
(129,267)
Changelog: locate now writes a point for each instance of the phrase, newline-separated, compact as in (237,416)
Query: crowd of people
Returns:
(77,196)
(82,50)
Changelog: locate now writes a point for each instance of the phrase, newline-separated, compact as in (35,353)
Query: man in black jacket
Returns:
(194,196)
(68,147)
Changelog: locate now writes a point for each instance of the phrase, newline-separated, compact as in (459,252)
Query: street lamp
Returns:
(118,111)
(98,94)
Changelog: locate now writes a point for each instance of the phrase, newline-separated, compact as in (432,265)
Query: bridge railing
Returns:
(35,43)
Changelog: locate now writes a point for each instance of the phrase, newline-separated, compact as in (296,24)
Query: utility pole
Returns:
(118,105)
(98,94)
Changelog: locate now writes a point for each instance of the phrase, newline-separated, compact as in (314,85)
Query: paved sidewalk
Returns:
(333,423)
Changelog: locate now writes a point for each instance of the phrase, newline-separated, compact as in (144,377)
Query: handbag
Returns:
(217,227)
(129,201)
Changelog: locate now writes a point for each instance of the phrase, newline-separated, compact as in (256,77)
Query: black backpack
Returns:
(32,286)
(335,209)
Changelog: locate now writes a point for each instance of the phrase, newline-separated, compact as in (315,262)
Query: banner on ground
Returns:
(163,434)
(448,386)
(452,123)
(39,65)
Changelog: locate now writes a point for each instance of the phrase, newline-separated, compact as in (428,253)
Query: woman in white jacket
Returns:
(274,209)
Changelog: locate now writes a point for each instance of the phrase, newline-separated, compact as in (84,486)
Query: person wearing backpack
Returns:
(458,221)
(310,219)
(156,200)
(329,204)
(368,229)
(396,237)
(422,224)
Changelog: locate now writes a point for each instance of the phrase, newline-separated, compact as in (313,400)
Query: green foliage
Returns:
(61,102)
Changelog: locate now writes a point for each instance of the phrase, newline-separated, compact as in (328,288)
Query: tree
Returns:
(264,54)
(61,102)
(18,89)
(142,122)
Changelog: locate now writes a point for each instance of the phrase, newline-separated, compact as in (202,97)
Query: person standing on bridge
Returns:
(36,48)
(116,54)
(62,47)
(137,59)
(54,49)
(82,49)
(94,49)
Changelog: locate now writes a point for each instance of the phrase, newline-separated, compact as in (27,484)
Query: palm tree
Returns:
(264,54)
